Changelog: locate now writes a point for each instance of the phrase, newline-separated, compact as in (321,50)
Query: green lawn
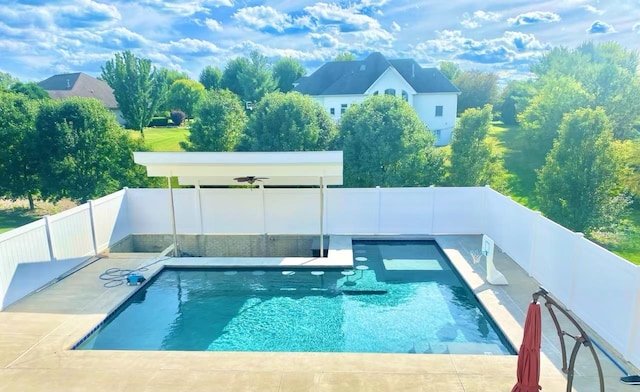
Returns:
(164,138)
(12,218)
(512,143)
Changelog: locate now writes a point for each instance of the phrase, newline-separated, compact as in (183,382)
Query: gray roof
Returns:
(79,85)
(355,77)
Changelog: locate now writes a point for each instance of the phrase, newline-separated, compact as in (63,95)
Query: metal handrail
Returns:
(581,339)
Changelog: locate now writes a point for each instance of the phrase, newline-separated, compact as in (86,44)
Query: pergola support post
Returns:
(173,219)
(321,217)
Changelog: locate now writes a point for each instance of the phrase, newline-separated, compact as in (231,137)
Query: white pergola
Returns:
(310,168)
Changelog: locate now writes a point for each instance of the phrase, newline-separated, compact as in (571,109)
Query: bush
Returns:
(177,116)
(159,122)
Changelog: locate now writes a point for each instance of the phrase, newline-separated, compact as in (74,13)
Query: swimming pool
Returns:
(400,297)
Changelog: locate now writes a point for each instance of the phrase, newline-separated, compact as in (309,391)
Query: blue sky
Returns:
(39,38)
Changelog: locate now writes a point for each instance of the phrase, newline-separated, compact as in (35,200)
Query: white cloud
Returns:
(213,24)
(599,27)
(191,46)
(469,23)
(321,54)
(636,28)
(16,47)
(373,3)
(345,18)
(365,40)
(487,15)
(323,40)
(122,38)
(511,47)
(473,21)
(592,9)
(395,27)
(186,7)
(262,17)
(534,17)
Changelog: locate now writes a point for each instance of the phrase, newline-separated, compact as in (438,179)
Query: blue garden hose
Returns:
(115,277)
(631,379)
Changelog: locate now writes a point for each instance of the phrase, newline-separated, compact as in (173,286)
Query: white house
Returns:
(338,84)
(79,84)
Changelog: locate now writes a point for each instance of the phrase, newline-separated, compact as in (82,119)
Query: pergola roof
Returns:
(220,168)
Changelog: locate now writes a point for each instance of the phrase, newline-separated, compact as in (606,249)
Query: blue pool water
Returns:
(400,297)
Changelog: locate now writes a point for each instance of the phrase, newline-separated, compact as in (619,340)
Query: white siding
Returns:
(425,105)
(391,79)
(336,101)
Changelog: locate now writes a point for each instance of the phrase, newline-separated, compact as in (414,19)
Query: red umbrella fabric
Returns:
(529,354)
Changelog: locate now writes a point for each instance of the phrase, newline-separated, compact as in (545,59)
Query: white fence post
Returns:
(433,208)
(537,218)
(379,209)
(635,324)
(574,267)
(47,226)
(199,206)
(92,222)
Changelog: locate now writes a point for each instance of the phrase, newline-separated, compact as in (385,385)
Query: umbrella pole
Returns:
(582,339)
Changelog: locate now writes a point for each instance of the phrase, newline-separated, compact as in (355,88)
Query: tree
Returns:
(169,77)
(577,186)
(211,77)
(219,121)
(249,78)
(474,159)
(289,122)
(286,71)
(6,81)
(608,72)
(184,95)
(556,97)
(476,89)
(31,90)
(384,143)
(19,147)
(230,79)
(515,98)
(138,87)
(256,80)
(345,56)
(450,70)
(87,153)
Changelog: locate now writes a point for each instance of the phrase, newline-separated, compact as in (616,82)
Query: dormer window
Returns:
(390,91)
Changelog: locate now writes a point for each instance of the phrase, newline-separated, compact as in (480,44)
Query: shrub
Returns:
(159,122)
(177,116)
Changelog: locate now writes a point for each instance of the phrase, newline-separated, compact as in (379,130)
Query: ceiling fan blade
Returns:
(242,179)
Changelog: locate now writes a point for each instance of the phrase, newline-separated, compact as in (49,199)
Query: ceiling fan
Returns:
(250,179)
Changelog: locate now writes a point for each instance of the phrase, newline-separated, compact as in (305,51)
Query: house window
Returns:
(375,92)
(405,95)
(332,111)
(390,91)
(439,111)
(343,107)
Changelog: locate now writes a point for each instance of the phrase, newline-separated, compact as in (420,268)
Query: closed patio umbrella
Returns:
(529,354)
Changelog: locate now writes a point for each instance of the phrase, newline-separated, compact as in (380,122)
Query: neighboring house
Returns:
(338,84)
(82,85)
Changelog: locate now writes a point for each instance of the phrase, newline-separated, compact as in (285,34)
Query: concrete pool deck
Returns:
(37,332)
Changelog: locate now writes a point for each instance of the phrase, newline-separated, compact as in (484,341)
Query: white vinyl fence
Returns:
(39,252)
(598,286)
